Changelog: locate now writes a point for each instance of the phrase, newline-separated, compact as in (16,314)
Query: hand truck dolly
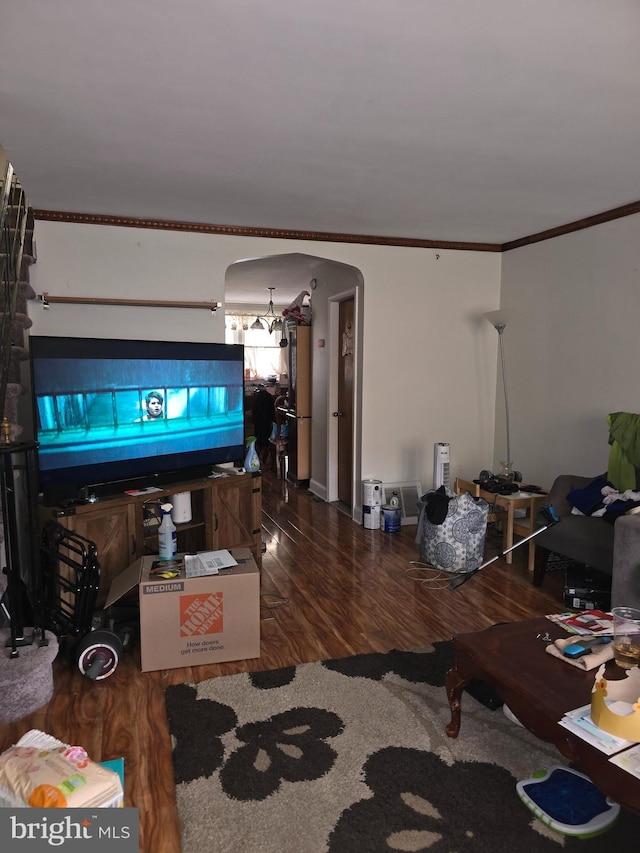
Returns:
(70,576)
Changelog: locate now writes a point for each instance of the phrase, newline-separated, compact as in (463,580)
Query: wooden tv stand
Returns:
(226,513)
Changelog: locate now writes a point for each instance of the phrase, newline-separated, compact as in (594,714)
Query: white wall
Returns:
(103,261)
(429,361)
(571,347)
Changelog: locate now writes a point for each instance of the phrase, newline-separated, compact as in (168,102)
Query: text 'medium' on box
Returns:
(193,621)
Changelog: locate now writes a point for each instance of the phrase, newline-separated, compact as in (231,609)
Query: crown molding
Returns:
(578,225)
(331,237)
(244,231)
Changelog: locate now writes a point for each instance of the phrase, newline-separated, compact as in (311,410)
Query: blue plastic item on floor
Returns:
(568,802)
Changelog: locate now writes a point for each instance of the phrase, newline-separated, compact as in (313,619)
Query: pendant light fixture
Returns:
(274,323)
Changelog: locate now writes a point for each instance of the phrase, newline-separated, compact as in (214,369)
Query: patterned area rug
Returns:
(351,756)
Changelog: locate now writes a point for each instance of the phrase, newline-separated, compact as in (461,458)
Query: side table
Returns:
(529,501)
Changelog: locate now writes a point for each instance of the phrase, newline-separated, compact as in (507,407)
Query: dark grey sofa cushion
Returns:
(583,538)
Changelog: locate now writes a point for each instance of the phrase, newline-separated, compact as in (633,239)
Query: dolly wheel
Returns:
(97,654)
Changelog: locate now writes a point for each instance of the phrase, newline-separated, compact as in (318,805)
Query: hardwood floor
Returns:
(330,588)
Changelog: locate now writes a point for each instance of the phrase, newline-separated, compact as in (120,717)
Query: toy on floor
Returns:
(568,802)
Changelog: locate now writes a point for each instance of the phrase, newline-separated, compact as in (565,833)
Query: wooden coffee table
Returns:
(539,689)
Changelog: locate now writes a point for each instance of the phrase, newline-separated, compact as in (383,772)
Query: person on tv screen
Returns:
(154,402)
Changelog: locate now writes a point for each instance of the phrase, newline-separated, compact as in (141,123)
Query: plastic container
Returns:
(568,802)
(390,519)
(167,540)
(252,460)
(371,517)
(372,492)
(181,512)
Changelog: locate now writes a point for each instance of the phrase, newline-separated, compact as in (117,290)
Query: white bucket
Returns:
(371,517)
(390,519)
(371,492)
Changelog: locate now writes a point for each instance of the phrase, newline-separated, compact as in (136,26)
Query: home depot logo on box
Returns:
(201,614)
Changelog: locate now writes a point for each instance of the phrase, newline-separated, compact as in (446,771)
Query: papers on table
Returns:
(629,760)
(207,563)
(580,723)
(585,622)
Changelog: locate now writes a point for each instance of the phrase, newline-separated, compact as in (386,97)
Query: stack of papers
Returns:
(629,760)
(586,622)
(580,723)
(207,563)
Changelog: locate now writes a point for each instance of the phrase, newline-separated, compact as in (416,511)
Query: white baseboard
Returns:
(318,489)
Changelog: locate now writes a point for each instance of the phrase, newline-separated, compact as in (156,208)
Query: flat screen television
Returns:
(111,415)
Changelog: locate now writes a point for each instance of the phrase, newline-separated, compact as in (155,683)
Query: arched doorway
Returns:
(331,284)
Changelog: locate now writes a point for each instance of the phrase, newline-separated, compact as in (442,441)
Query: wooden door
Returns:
(346,370)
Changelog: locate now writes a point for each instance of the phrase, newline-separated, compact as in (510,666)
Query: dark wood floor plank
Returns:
(329,589)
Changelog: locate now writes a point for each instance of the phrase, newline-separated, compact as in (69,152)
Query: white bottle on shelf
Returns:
(167,544)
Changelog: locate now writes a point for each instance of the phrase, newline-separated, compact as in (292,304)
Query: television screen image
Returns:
(109,410)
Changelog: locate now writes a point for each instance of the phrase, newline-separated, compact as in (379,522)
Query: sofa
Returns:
(613,548)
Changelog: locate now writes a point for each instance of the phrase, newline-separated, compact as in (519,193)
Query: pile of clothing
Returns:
(618,491)
(624,456)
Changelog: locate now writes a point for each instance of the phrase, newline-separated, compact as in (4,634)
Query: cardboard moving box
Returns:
(193,621)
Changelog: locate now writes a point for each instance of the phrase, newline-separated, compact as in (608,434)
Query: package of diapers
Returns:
(42,772)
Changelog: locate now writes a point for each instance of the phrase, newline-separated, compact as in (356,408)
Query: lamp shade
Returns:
(498,319)
(257,324)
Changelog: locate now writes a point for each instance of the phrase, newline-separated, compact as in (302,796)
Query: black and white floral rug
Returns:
(351,756)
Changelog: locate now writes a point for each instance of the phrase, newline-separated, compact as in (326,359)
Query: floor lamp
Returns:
(498,320)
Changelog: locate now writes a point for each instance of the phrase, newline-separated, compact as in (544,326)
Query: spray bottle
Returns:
(252,460)
(167,545)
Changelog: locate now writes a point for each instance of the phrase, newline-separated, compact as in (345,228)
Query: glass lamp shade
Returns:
(498,319)
(257,324)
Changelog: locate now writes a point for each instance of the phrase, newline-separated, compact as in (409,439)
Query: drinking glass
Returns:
(626,636)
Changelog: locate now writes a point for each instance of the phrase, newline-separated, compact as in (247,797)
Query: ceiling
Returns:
(445,120)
